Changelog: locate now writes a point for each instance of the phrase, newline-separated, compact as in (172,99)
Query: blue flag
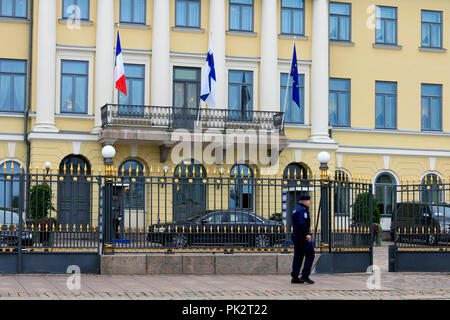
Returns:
(208,85)
(295,83)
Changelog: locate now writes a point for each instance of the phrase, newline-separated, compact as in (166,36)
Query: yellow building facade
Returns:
(373,76)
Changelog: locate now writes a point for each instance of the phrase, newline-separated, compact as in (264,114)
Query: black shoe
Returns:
(307,280)
(296,280)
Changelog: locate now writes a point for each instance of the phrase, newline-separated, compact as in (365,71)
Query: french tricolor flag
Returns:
(121,85)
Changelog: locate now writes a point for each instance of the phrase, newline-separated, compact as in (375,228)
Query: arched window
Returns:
(187,168)
(241,192)
(9,188)
(341,193)
(385,192)
(133,192)
(430,188)
(294,172)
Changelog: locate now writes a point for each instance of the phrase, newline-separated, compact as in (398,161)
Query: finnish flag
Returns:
(208,90)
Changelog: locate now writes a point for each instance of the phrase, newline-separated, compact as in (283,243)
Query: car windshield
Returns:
(8,217)
(441,211)
(191,219)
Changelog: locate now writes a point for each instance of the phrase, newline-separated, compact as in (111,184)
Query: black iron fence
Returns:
(421,217)
(187,209)
(170,118)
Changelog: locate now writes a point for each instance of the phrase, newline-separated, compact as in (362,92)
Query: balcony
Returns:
(171,118)
(157,125)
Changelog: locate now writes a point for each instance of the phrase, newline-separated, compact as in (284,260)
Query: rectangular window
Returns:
(187,13)
(340,21)
(241,15)
(240,94)
(293,17)
(13,8)
(132,11)
(293,113)
(74,86)
(432,107)
(135,80)
(431,29)
(385,105)
(386,25)
(339,115)
(13,74)
(76,9)
(186,87)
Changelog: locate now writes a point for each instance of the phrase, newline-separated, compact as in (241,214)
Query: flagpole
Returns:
(200,100)
(114,78)
(287,90)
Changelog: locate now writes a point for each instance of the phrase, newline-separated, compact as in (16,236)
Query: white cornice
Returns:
(66,137)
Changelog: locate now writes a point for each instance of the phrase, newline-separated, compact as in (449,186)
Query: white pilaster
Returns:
(45,67)
(104,58)
(269,79)
(217,29)
(320,73)
(160,80)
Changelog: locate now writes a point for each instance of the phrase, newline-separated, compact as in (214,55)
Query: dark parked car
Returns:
(9,238)
(219,228)
(412,216)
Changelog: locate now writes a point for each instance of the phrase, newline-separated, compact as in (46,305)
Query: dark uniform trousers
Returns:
(301,222)
(302,249)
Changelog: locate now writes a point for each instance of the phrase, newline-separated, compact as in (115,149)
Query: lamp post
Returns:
(324,158)
(108,153)
(47,165)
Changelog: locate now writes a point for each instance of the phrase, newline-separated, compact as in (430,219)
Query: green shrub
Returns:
(361,213)
(40,202)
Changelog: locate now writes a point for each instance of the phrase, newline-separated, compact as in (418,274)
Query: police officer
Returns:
(301,237)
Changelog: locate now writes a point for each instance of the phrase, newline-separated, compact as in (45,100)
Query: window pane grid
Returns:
(13,8)
(386,105)
(240,93)
(133,11)
(386,25)
(431,29)
(78,9)
(74,87)
(431,107)
(241,15)
(293,113)
(292,19)
(12,85)
(339,114)
(340,22)
(187,13)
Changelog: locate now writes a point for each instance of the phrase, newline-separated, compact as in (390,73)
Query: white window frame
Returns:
(82,54)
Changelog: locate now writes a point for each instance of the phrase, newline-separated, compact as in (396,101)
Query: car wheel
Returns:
(262,241)
(180,240)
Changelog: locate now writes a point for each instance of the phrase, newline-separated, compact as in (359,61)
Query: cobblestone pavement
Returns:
(394,286)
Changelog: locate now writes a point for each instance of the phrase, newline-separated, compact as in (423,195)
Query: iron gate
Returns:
(421,227)
(33,239)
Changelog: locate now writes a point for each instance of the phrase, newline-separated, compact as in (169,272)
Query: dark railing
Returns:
(194,210)
(170,118)
(421,216)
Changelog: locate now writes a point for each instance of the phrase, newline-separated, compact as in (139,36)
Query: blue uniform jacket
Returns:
(301,222)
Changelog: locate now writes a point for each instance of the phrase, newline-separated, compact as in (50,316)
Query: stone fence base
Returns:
(200,264)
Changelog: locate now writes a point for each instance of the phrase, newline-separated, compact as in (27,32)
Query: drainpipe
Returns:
(28,107)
